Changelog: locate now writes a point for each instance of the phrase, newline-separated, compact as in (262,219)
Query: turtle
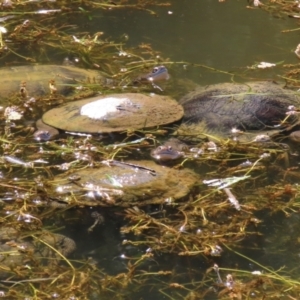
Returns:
(33,80)
(228,108)
(246,112)
(124,184)
(19,249)
(108,114)
(172,150)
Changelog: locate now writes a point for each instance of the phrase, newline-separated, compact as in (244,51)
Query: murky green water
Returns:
(226,36)
(209,42)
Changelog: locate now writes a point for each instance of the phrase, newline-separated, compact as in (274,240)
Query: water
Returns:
(225,37)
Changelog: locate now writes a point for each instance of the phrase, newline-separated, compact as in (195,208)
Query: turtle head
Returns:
(166,153)
(158,73)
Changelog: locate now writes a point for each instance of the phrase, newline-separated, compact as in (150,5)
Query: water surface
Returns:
(227,36)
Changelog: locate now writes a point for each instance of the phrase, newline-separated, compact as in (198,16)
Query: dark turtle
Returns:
(226,107)
(111,113)
(35,79)
(246,112)
(125,184)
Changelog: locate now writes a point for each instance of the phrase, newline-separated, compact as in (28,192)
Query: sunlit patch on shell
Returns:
(100,108)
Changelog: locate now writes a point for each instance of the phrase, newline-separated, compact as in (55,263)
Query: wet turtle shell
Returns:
(114,113)
(125,184)
(250,106)
(37,77)
(19,249)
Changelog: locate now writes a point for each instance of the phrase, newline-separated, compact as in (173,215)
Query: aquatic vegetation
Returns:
(205,226)
(45,33)
(282,9)
(277,8)
(220,224)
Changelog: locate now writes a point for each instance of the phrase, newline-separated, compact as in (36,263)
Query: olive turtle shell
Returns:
(249,106)
(125,184)
(45,248)
(114,113)
(37,79)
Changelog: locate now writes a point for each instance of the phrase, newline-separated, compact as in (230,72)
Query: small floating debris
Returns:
(12,113)
(297,51)
(232,199)
(17,161)
(47,11)
(264,65)
(223,183)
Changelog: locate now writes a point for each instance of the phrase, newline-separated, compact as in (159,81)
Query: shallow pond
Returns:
(200,246)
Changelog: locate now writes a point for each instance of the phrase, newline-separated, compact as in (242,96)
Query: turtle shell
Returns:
(45,248)
(36,79)
(125,184)
(248,106)
(114,113)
